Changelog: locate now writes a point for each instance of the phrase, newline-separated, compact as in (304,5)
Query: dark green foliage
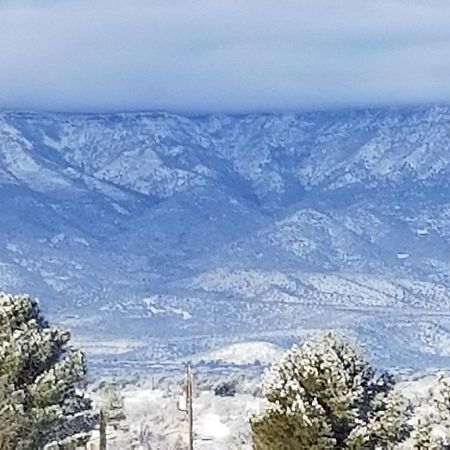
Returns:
(41,381)
(324,395)
(225,389)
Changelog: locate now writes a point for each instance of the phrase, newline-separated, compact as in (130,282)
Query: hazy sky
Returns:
(224,55)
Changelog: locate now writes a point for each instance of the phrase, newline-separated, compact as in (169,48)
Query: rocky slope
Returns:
(184,233)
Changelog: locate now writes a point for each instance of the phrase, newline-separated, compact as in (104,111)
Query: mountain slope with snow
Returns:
(190,233)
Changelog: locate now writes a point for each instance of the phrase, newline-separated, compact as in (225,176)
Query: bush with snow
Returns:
(225,389)
(112,404)
(325,395)
(41,381)
(432,430)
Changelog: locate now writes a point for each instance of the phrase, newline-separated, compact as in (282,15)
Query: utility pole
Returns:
(102,430)
(189,383)
(185,404)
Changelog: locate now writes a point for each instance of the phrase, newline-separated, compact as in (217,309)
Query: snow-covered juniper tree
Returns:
(432,432)
(325,395)
(41,381)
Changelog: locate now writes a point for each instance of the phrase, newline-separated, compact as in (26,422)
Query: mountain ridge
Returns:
(103,211)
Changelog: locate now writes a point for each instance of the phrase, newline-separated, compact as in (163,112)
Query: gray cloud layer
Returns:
(224,55)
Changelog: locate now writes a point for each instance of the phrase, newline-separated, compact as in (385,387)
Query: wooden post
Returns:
(102,430)
(189,383)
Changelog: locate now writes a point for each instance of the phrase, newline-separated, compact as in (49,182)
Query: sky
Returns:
(222,56)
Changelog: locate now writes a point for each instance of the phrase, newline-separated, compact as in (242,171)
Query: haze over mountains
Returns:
(174,235)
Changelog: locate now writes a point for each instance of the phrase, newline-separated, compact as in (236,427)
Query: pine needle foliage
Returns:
(41,381)
(325,395)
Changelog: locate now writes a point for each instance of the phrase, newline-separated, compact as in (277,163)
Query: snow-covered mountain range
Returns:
(176,235)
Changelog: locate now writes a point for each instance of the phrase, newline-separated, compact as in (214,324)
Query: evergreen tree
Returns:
(433,431)
(41,381)
(422,436)
(324,395)
(441,399)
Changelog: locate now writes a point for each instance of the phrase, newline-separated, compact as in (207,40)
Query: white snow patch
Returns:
(154,309)
(244,353)
(210,426)
(57,239)
(109,347)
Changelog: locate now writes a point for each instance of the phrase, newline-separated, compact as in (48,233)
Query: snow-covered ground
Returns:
(221,423)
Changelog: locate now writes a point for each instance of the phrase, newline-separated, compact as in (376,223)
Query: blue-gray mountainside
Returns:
(159,236)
